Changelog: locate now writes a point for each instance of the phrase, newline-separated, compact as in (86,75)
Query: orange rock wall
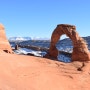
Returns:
(4,44)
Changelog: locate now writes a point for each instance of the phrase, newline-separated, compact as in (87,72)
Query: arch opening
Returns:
(65,48)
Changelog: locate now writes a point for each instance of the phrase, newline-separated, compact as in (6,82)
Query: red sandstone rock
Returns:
(80,49)
(4,44)
(20,72)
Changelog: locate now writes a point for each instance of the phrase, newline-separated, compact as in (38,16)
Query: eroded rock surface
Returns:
(4,44)
(80,49)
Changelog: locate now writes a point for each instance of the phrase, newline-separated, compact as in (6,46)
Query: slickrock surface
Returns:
(19,72)
(4,44)
(80,49)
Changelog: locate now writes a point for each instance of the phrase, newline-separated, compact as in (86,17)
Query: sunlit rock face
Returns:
(80,49)
(4,44)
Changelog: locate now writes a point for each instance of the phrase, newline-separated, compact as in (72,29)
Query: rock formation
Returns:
(16,47)
(4,44)
(80,49)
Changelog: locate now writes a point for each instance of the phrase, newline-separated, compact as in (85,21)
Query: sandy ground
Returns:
(19,72)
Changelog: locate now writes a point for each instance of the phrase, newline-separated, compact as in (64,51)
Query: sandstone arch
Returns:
(80,49)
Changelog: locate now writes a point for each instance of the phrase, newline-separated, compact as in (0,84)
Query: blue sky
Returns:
(38,18)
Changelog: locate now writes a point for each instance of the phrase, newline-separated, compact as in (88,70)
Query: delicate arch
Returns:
(80,49)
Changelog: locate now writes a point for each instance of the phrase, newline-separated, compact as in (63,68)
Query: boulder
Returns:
(4,44)
(80,49)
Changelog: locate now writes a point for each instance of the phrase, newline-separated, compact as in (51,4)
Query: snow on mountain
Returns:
(19,38)
(26,38)
(40,38)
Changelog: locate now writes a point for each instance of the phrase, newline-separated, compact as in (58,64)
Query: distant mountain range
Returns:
(65,44)
(19,38)
(26,38)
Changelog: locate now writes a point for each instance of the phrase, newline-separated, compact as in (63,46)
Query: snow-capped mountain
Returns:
(26,38)
(40,38)
(19,38)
